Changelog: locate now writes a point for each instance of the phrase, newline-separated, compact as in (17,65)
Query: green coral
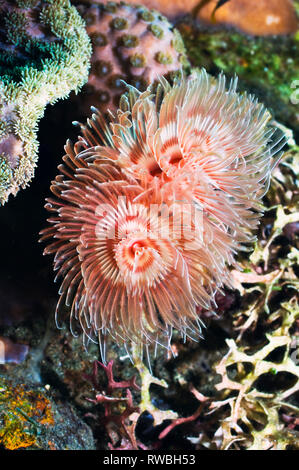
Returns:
(138,60)
(5,173)
(36,70)
(157,31)
(163,58)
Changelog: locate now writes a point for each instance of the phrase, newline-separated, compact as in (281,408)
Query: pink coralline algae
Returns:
(150,209)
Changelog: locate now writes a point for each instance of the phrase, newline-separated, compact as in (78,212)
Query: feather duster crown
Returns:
(150,208)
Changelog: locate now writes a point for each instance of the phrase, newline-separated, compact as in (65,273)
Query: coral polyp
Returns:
(45,54)
(150,210)
(266,17)
(130,43)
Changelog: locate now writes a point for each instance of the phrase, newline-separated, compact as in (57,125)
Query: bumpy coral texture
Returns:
(263,17)
(44,54)
(202,154)
(130,43)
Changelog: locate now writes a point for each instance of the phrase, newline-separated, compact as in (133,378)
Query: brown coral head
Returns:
(261,18)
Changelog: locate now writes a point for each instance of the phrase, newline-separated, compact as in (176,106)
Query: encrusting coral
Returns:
(22,414)
(264,17)
(45,53)
(33,418)
(131,266)
(130,43)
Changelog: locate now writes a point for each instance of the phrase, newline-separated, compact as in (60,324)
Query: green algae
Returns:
(266,66)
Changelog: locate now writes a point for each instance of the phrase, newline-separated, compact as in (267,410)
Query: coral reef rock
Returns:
(264,17)
(266,66)
(30,417)
(130,43)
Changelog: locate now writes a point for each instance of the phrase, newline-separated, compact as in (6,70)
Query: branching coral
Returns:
(44,55)
(259,411)
(193,149)
(255,405)
(121,416)
(119,427)
(130,43)
(266,265)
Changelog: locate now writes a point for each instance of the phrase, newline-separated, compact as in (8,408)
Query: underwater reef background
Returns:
(238,387)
